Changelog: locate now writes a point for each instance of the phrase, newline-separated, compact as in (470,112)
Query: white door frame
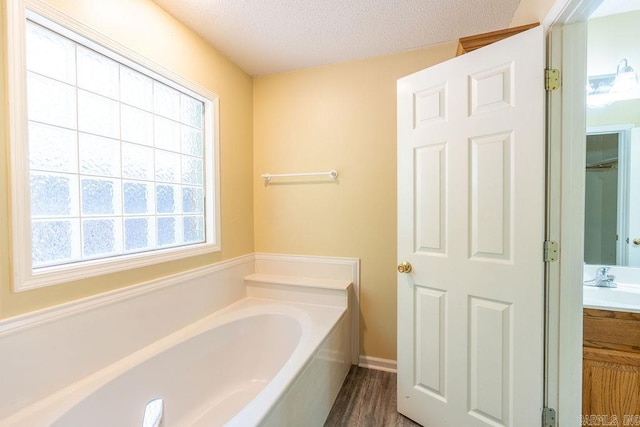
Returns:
(566,126)
(565,205)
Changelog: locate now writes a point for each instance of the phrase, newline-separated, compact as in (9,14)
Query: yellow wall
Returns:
(147,29)
(610,39)
(618,113)
(340,117)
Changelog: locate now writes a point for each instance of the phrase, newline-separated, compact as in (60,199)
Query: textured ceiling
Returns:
(271,36)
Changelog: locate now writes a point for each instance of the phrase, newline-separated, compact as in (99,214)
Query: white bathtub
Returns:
(256,362)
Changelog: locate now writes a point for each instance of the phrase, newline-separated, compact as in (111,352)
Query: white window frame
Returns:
(24,276)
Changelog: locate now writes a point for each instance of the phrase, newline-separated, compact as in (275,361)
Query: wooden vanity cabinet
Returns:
(611,365)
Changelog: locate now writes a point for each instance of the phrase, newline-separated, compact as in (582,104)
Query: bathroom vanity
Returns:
(611,365)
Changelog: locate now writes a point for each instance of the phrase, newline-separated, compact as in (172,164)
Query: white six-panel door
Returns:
(471,211)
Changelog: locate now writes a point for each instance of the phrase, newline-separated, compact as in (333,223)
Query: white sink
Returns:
(623,298)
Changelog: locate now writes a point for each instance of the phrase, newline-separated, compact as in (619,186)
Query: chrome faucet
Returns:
(603,279)
(153,413)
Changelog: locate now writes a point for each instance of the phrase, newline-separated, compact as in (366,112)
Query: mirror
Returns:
(612,186)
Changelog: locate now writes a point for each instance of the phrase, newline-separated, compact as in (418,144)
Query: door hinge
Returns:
(551,79)
(548,417)
(550,251)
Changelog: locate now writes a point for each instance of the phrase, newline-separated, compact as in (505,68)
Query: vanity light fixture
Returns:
(625,78)
(605,89)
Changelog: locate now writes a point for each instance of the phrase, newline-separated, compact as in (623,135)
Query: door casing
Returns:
(566,146)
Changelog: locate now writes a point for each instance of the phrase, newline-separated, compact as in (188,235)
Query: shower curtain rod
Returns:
(603,164)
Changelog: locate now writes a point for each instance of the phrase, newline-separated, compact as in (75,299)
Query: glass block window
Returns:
(116,154)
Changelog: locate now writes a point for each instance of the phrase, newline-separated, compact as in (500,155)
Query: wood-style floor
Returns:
(367,399)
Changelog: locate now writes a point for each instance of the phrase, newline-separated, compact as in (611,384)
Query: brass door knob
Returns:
(405,267)
(636,241)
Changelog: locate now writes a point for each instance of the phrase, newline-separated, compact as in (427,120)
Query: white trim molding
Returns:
(378,363)
(565,208)
(59,312)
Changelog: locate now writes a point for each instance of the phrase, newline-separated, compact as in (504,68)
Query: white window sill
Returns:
(48,276)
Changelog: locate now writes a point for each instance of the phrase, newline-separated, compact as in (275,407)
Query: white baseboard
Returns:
(378,364)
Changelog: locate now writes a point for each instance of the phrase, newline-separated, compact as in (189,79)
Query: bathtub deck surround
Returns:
(300,289)
(207,376)
(45,351)
(319,268)
(68,360)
